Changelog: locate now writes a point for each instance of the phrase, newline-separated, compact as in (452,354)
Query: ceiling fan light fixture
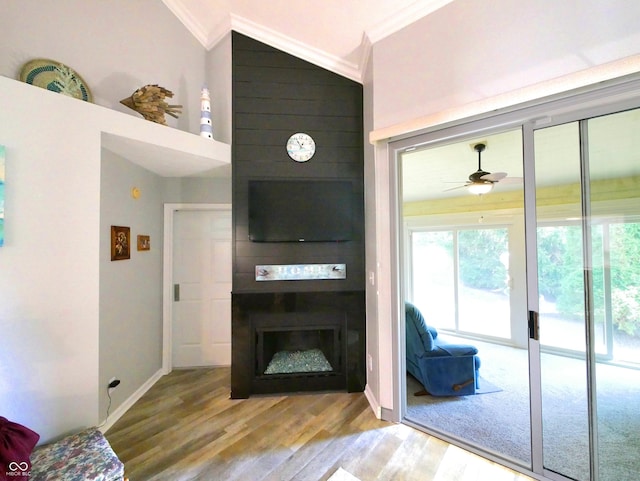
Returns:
(479,188)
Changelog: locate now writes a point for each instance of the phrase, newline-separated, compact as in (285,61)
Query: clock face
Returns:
(301,147)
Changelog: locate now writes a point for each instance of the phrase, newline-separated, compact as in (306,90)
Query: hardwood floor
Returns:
(186,428)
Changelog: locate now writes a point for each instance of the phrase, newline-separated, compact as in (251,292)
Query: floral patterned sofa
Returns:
(85,456)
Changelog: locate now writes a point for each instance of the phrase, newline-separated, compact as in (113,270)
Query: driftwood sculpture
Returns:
(149,102)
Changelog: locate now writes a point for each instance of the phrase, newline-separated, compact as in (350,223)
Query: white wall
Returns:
(373,376)
(218,72)
(472,50)
(198,190)
(49,263)
(116,46)
(130,290)
(61,336)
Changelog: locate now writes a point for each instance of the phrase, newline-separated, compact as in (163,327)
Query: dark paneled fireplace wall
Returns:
(274,96)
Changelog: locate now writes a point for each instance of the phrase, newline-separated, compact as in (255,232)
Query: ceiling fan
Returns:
(481,182)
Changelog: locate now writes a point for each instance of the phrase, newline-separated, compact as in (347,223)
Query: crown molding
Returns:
(218,33)
(295,47)
(403,18)
(366,48)
(351,70)
(188,20)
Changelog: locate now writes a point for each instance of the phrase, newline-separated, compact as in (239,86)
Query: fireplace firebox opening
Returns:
(299,350)
(297,324)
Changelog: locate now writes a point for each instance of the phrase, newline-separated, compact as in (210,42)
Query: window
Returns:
(616,296)
(460,279)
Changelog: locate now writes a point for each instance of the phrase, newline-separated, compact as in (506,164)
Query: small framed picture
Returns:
(120,243)
(144,243)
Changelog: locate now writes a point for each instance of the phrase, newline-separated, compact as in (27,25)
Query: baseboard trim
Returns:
(387,415)
(125,406)
(373,402)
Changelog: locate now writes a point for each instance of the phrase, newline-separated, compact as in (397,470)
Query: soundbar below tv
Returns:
(300,210)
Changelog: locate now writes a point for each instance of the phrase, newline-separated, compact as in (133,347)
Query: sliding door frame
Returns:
(581,116)
(608,97)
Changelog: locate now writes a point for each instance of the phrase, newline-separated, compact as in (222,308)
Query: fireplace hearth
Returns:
(290,342)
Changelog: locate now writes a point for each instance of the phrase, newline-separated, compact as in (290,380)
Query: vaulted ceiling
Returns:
(338,35)
(334,34)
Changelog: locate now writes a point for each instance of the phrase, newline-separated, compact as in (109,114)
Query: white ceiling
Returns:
(334,34)
(614,153)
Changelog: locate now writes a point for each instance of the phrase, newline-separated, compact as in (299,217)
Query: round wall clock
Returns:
(301,147)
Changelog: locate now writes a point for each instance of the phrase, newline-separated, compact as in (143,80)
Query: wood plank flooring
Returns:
(186,428)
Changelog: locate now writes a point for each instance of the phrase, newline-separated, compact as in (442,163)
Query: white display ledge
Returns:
(164,150)
(170,152)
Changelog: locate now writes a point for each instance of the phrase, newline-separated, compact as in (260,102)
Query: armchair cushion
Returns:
(426,334)
(446,349)
(84,456)
(443,368)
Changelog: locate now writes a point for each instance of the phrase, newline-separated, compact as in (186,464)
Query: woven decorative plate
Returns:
(55,76)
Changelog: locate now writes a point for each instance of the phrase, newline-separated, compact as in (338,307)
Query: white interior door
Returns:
(201,332)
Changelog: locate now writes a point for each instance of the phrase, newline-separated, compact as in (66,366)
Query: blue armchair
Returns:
(443,369)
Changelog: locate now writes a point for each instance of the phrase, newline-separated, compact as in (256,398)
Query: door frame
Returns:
(617,95)
(167,273)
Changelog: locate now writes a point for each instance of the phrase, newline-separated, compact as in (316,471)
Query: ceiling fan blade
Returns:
(511,180)
(456,188)
(495,177)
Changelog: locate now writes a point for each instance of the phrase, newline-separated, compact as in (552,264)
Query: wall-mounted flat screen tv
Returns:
(300,210)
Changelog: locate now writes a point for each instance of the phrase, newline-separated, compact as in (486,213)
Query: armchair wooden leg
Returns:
(424,392)
(457,387)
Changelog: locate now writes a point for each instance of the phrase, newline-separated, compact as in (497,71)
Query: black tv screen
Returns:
(300,210)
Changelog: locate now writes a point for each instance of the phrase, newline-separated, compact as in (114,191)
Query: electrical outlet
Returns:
(370,362)
(113,383)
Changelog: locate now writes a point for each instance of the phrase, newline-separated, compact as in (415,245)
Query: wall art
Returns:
(144,243)
(149,102)
(56,77)
(120,243)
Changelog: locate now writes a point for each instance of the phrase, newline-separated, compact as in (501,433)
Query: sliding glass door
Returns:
(588,256)
(542,276)
(465,272)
